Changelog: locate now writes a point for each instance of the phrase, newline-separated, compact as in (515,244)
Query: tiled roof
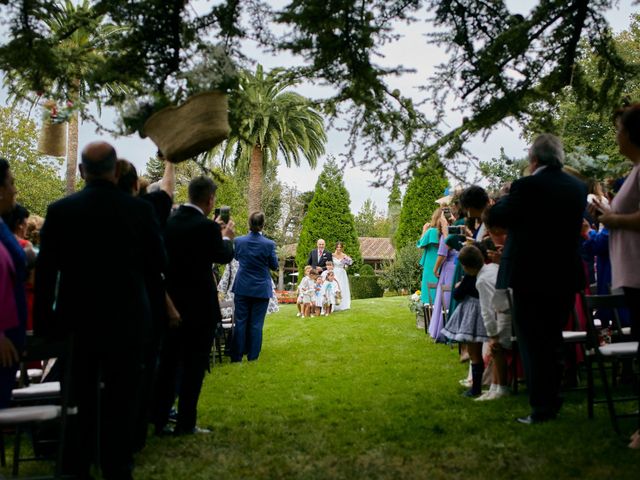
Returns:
(371,248)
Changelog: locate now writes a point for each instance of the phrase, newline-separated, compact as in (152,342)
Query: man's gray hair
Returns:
(548,150)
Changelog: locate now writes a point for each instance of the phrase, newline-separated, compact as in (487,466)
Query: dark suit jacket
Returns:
(99,248)
(543,213)
(256,255)
(314,261)
(194,243)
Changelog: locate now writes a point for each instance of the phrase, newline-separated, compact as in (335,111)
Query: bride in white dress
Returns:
(340,262)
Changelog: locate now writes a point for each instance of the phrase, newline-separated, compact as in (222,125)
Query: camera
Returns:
(456,230)
(223,212)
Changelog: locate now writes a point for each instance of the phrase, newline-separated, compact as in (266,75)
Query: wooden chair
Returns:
(40,403)
(613,353)
(428,308)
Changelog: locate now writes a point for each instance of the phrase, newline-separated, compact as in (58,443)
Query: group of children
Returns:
(318,293)
(482,316)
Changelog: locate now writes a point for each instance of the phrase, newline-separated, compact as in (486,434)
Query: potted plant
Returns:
(53,136)
(192,120)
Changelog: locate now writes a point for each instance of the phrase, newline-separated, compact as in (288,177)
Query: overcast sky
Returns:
(412,51)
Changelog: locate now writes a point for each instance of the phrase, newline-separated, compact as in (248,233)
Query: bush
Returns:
(365,286)
(367,269)
(405,272)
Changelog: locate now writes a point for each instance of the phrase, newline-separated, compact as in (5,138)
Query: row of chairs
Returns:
(39,404)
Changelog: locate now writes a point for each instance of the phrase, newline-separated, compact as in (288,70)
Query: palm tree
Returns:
(270,123)
(81,37)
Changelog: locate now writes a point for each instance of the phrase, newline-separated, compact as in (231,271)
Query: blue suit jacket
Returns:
(256,255)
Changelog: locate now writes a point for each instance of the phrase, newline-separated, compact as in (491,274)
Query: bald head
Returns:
(98,162)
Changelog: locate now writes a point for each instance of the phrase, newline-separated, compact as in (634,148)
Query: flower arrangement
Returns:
(54,114)
(348,261)
(415,303)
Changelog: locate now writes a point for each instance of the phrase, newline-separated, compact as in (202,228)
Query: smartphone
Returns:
(225,213)
(216,213)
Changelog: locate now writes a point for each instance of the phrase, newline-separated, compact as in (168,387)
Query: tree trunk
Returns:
(72,153)
(281,275)
(255,180)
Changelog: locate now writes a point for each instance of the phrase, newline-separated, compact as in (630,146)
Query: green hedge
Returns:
(365,286)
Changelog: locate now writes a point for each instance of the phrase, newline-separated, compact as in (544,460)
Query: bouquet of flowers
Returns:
(415,304)
(348,261)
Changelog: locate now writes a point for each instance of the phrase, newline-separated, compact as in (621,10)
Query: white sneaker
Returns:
(466,383)
(500,393)
(298,314)
(486,396)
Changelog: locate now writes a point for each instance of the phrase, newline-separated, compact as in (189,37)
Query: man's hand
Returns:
(495,255)
(227,229)
(8,353)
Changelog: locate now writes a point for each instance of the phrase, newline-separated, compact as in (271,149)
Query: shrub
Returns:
(365,286)
(367,269)
(405,272)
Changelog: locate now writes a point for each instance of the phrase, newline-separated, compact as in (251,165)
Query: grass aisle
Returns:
(363,394)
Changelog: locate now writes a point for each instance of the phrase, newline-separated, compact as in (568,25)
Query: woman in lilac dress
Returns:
(444,270)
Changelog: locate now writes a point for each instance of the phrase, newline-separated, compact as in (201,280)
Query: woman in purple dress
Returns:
(444,270)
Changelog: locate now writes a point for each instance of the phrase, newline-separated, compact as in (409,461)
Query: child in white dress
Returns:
(317,302)
(305,292)
(330,288)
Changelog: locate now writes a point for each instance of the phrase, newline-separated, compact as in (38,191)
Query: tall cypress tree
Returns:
(329,217)
(394,206)
(426,186)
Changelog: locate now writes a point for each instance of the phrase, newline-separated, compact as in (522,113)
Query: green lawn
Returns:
(364,394)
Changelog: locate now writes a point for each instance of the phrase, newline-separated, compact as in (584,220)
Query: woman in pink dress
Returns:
(623,221)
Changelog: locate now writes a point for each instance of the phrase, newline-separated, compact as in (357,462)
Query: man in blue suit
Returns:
(252,288)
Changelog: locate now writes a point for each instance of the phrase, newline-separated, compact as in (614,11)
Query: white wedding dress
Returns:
(343,281)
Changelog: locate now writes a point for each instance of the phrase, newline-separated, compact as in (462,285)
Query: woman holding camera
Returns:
(429,243)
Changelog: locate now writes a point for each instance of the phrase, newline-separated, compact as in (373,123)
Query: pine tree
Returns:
(154,170)
(426,186)
(329,217)
(394,206)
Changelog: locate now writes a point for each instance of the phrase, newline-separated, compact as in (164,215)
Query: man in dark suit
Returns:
(541,263)
(252,288)
(319,257)
(99,249)
(194,243)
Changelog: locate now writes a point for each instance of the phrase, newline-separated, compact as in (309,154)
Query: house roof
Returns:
(371,248)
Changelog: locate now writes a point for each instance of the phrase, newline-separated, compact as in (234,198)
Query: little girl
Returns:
(466,325)
(305,292)
(329,289)
(317,304)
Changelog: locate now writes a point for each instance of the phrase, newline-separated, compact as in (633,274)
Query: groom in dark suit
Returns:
(194,243)
(542,265)
(319,257)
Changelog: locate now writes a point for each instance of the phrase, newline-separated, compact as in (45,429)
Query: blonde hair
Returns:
(435,218)
(307,269)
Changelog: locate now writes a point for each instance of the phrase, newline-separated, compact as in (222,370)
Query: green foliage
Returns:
(329,217)
(394,206)
(366,269)
(365,286)
(369,222)
(588,133)
(263,112)
(502,170)
(154,169)
(404,273)
(37,178)
(426,186)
